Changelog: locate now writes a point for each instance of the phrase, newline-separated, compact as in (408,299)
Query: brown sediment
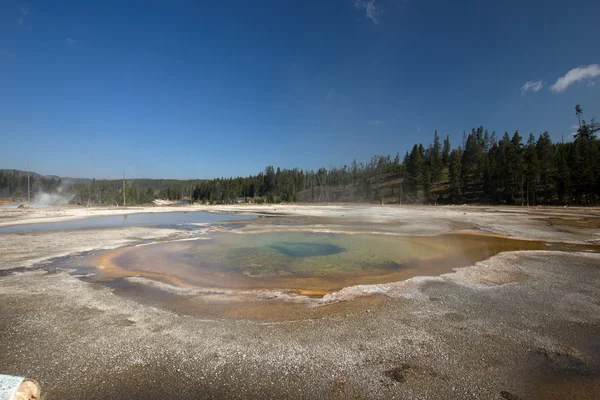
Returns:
(469,232)
(243,306)
(581,388)
(108,268)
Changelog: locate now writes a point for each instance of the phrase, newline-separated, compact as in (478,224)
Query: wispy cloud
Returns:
(531,85)
(24,13)
(376,122)
(330,93)
(72,42)
(372,12)
(576,75)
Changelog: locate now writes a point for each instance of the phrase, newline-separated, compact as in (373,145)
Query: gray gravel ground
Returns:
(446,338)
(518,326)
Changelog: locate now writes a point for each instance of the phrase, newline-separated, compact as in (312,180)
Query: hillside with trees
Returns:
(485,168)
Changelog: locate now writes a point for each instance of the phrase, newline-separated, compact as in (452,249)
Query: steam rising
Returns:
(58,198)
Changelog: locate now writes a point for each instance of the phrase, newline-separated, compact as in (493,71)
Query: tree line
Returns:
(14,184)
(485,168)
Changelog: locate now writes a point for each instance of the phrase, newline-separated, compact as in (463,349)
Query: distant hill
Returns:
(23,173)
(64,179)
(141,182)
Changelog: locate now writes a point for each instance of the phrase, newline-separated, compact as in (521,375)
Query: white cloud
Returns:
(25,11)
(72,42)
(330,93)
(531,85)
(371,10)
(376,122)
(576,75)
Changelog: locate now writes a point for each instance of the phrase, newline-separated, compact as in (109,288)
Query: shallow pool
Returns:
(303,262)
(164,219)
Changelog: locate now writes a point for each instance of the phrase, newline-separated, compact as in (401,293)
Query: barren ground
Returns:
(520,325)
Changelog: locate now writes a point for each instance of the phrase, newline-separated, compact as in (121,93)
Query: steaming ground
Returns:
(60,197)
(519,325)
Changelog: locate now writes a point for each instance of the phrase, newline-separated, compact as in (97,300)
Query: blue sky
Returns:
(208,89)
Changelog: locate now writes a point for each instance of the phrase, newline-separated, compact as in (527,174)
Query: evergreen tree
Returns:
(414,167)
(454,175)
(563,177)
(486,142)
(436,163)
(471,167)
(516,175)
(426,179)
(491,174)
(446,151)
(545,152)
(504,170)
(532,168)
(269,179)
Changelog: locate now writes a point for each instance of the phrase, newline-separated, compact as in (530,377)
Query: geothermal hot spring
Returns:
(306,263)
(243,266)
